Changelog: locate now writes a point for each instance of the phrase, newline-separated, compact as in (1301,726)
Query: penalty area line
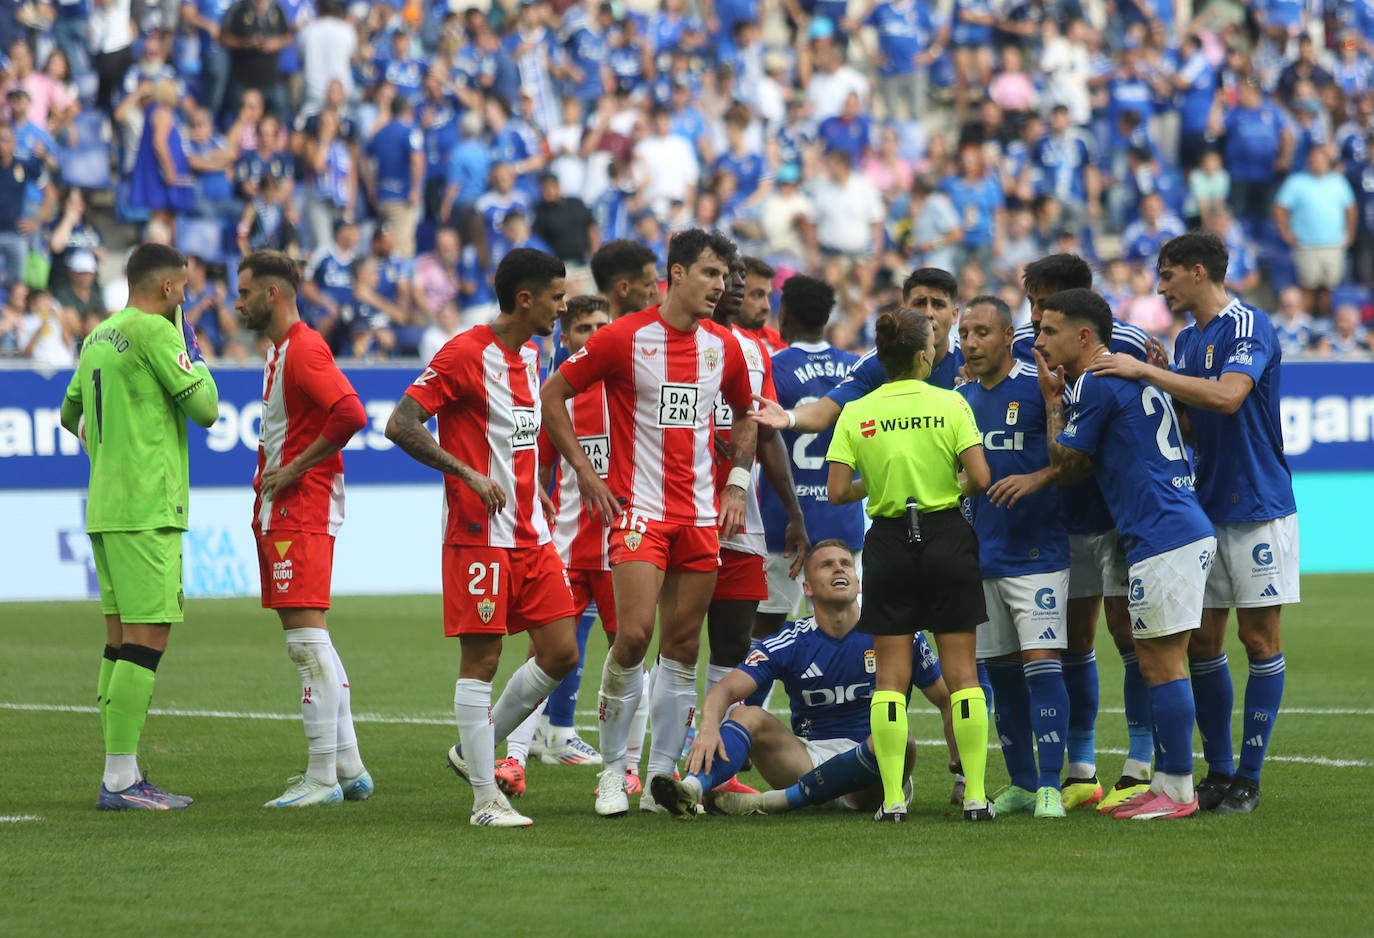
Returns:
(427,720)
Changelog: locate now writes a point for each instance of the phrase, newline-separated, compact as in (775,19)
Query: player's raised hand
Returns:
(1051,381)
(705,748)
(769,413)
(1122,366)
(1158,356)
(731,518)
(1007,491)
(597,496)
(491,494)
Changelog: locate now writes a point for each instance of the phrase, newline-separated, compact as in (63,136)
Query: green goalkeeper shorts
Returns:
(140,575)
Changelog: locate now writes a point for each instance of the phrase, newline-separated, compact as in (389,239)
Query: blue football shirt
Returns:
(802,373)
(1242,474)
(1029,537)
(1131,431)
(829,680)
(868,374)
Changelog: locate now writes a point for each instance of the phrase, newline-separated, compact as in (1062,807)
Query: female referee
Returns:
(908,441)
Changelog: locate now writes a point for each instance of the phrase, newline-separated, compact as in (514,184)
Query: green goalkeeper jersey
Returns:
(135,386)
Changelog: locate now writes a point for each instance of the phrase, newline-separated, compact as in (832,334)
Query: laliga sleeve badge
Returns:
(486,608)
(1207,362)
(184,362)
(1013,411)
(870,661)
(633,539)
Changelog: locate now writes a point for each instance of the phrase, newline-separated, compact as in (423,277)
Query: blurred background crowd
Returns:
(399,149)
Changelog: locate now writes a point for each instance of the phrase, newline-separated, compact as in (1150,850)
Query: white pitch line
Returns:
(19,818)
(422,720)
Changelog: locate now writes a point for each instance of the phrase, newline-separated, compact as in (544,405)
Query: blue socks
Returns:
(1263,693)
(848,772)
(1215,697)
(985,682)
(1012,718)
(1172,706)
(737,744)
(1049,716)
(1139,726)
(1080,682)
(562,703)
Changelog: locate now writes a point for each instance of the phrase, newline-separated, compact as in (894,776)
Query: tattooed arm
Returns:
(406,428)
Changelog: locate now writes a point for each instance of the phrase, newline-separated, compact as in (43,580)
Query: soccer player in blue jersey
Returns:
(828,668)
(1023,551)
(1226,373)
(1127,433)
(927,290)
(1097,577)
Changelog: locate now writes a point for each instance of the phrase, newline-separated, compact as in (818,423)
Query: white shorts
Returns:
(1165,595)
(1097,565)
(1024,612)
(785,595)
(1256,565)
(823,750)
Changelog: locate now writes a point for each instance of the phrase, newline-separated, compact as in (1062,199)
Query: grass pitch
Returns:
(407,862)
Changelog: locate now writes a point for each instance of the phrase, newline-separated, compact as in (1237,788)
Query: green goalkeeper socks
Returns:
(888,721)
(971,734)
(127,698)
(102,687)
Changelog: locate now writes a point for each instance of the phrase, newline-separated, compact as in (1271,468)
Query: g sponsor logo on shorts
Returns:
(1044,598)
(1137,590)
(1263,555)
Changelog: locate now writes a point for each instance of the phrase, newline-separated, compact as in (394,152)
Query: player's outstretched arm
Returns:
(406,428)
(814,417)
(734,687)
(558,426)
(1225,395)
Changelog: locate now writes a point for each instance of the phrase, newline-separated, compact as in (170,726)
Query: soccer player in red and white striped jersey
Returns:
(309,412)
(743,580)
(662,368)
(501,573)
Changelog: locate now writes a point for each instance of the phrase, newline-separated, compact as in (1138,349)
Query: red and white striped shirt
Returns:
(750,539)
(661,384)
(300,384)
(486,398)
(577,532)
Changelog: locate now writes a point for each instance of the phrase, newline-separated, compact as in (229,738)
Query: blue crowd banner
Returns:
(1327,410)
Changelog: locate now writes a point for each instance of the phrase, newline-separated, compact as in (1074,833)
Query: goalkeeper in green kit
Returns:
(140,376)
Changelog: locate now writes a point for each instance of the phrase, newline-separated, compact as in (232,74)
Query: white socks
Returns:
(639,725)
(350,763)
(715,673)
(313,654)
(518,742)
(621,690)
(472,711)
(671,707)
(121,771)
(526,688)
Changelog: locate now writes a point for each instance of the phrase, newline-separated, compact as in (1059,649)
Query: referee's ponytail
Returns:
(900,336)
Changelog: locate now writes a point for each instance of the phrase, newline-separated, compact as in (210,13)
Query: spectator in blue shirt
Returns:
(1316,214)
(465,174)
(437,115)
(584,53)
(1196,84)
(395,173)
(1141,240)
(1258,148)
(206,16)
(906,47)
(514,143)
(977,198)
(851,130)
(1067,162)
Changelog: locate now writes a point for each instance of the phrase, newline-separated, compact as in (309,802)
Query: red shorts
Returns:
(501,591)
(742,576)
(670,547)
(294,569)
(594,586)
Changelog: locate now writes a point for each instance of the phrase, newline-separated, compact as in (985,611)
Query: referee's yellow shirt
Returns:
(904,439)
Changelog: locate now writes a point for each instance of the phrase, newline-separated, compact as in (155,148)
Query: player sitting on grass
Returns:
(827,668)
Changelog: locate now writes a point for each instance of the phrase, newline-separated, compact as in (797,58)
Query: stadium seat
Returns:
(86,162)
(203,237)
(125,213)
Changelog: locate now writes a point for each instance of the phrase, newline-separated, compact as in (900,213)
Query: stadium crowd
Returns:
(400,150)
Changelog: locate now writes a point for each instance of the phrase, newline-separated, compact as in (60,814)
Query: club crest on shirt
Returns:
(486,608)
(1207,362)
(870,661)
(1013,411)
(712,358)
(633,539)
(752,357)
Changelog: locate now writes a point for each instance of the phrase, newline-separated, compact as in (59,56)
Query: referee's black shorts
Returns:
(935,585)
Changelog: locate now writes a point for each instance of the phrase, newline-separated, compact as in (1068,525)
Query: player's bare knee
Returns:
(1260,634)
(751,718)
